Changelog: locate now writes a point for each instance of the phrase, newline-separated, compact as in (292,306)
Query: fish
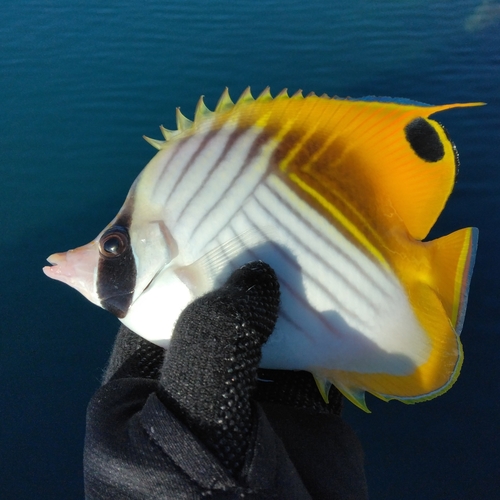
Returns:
(337,195)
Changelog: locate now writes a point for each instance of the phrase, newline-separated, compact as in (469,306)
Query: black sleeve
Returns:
(137,449)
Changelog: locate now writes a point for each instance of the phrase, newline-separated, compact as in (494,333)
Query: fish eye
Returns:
(114,242)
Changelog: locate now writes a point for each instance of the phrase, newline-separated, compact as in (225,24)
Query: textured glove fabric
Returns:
(296,389)
(133,356)
(209,372)
(188,423)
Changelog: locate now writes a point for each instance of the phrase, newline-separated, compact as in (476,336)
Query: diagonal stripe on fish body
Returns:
(337,196)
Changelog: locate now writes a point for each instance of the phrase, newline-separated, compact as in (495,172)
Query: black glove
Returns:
(209,372)
(206,379)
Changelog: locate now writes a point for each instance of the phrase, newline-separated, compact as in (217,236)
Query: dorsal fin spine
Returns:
(154,142)
(225,103)
(167,134)
(265,95)
(202,112)
(282,95)
(183,123)
(245,97)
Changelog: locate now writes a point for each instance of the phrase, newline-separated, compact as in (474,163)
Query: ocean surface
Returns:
(81,82)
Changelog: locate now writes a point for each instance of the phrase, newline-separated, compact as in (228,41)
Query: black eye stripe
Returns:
(117,271)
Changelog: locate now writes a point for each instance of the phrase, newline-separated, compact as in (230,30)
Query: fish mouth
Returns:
(55,270)
(61,268)
(77,268)
(54,260)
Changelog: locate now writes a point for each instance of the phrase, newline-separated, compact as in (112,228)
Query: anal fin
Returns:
(355,395)
(323,386)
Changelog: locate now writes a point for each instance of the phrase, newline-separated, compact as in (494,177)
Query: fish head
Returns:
(133,257)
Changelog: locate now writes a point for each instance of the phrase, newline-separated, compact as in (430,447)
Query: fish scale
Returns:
(337,196)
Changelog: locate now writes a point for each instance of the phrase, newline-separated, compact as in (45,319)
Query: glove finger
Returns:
(250,297)
(209,372)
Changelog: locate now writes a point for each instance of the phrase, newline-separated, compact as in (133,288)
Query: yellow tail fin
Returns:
(452,258)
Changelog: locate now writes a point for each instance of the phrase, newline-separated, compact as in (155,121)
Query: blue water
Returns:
(81,82)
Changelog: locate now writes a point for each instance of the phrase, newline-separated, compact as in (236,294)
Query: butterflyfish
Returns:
(337,195)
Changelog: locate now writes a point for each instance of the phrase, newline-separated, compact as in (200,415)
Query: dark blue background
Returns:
(81,82)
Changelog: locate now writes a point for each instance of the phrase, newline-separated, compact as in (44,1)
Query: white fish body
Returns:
(218,195)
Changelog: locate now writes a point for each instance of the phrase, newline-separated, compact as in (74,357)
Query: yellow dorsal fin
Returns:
(245,97)
(183,123)
(167,134)
(297,95)
(406,156)
(225,103)
(265,96)
(282,95)
(154,142)
(400,155)
(202,111)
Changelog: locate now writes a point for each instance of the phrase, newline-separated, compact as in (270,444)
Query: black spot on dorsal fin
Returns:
(424,140)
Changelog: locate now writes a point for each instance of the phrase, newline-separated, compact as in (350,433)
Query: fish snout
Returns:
(77,268)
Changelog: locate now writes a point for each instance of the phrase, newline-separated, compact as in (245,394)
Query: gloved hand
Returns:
(207,381)
(209,372)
